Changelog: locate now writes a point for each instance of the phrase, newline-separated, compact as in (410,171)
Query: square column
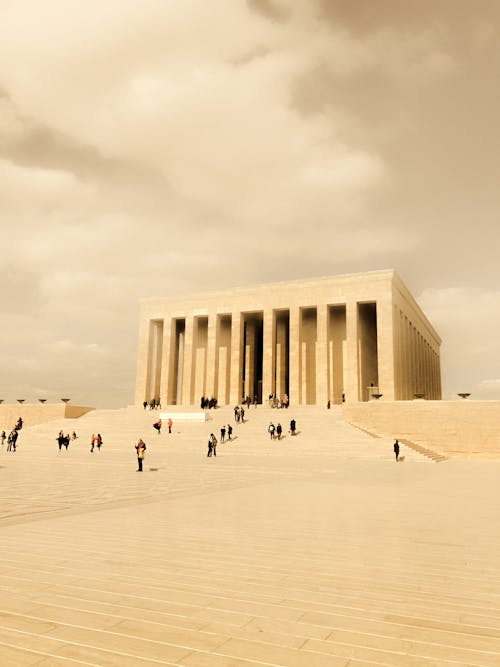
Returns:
(235,371)
(142,362)
(187,362)
(351,388)
(211,354)
(165,363)
(322,356)
(294,373)
(267,355)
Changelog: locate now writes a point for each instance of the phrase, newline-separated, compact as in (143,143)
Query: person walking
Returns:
(270,430)
(170,423)
(396,450)
(157,426)
(60,440)
(92,443)
(222,433)
(99,441)
(214,444)
(278,431)
(3,436)
(242,415)
(293,426)
(229,431)
(140,449)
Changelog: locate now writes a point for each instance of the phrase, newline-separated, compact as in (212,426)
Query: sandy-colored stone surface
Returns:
(317,550)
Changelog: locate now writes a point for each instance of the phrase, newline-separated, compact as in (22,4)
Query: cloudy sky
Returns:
(150,147)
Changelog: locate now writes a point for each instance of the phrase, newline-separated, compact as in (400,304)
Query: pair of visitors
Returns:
(62,440)
(226,430)
(239,414)
(212,445)
(140,449)
(275,431)
(12,440)
(94,440)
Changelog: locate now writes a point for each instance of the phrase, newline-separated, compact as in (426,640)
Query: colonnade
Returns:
(313,354)
(418,362)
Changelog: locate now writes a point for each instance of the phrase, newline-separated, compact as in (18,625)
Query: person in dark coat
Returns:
(396,450)
(293,426)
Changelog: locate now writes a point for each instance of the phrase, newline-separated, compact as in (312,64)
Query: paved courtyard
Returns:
(317,550)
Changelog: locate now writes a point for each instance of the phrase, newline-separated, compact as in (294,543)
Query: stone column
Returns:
(235,371)
(165,363)
(268,354)
(321,355)
(188,361)
(142,362)
(294,358)
(351,390)
(211,354)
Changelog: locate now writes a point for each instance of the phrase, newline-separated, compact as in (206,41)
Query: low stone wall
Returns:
(457,429)
(37,413)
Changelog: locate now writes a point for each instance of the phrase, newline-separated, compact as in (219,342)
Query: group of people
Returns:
(12,437)
(275,402)
(208,403)
(224,430)
(64,440)
(154,404)
(95,440)
(276,431)
(157,425)
(239,414)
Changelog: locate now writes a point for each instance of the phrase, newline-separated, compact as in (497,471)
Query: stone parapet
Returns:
(457,429)
(37,413)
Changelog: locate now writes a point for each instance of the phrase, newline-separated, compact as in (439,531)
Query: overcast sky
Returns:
(150,147)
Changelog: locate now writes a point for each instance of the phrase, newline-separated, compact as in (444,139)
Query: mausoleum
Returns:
(349,337)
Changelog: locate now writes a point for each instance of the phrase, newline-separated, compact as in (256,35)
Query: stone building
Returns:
(319,340)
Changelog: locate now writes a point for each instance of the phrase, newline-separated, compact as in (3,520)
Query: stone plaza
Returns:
(316,550)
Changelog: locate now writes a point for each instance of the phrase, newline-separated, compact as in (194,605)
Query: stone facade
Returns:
(327,339)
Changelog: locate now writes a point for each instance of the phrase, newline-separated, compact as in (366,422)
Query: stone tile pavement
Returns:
(318,550)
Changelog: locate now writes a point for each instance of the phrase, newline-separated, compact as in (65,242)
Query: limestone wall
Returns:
(461,429)
(37,413)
